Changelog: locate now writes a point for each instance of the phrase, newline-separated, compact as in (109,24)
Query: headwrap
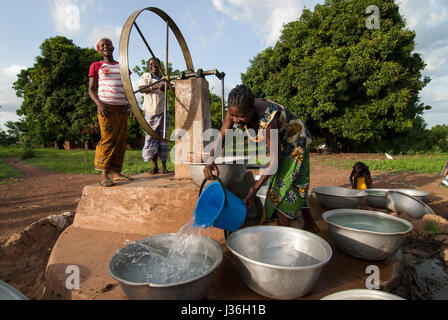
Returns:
(98,43)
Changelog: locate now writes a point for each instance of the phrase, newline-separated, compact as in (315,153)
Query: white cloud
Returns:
(13,70)
(7,116)
(66,15)
(8,98)
(110,31)
(265,17)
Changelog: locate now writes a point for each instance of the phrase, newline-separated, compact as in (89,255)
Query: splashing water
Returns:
(187,258)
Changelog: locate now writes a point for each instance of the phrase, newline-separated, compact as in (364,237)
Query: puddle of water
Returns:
(432,273)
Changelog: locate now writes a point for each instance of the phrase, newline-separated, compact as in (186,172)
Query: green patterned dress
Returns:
(288,188)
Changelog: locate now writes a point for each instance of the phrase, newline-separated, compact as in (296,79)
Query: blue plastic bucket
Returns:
(219,207)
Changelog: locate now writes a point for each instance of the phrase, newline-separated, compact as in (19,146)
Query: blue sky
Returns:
(221,34)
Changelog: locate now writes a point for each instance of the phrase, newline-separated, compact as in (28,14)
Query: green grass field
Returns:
(76,162)
(427,163)
(81,162)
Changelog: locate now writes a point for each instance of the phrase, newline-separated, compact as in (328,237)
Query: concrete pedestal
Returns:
(192,119)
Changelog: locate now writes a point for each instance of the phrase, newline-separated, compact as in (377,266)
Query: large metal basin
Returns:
(362,294)
(231,170)
(400,202)
(131,265)
(339,198)
(367,235)
(279,262)
(8,292)
(414,193)
(376,198)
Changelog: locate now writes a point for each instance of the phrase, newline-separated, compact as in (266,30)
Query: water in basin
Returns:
(368,223)
(165,263)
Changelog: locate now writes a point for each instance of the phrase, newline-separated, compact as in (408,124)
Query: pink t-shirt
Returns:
(110,88)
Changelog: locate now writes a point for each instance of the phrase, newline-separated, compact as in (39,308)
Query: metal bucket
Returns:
(421,195)
(131,277)
(367,235)
(339,198)
(362,294)
(279,262)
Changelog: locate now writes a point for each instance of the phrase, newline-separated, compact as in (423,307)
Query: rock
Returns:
(441,238)
(444,255)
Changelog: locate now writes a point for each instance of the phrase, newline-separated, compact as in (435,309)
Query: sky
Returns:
(220,34)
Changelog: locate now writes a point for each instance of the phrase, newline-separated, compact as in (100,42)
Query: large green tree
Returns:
(349,83)
(56,104)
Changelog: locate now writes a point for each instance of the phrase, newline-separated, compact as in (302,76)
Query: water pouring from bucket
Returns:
(220,208)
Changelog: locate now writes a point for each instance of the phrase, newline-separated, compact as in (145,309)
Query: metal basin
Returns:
(376,198)
(132,265)
(414,193)
(279,262)
(362,294)
(403,203)
(339,198)
(8,292)
(231,170)
(367,235)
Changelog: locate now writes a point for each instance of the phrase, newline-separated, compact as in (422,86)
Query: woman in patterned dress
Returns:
(289,167)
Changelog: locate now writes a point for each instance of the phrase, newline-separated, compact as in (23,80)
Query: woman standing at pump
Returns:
(289,183)
(106,90)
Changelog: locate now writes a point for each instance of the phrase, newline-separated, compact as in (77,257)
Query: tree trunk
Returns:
(329,139)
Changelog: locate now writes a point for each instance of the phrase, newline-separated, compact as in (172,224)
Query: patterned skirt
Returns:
(289,187)
(109,155)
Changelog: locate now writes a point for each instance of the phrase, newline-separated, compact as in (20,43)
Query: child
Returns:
(106,90)
(154,107)
(360,177)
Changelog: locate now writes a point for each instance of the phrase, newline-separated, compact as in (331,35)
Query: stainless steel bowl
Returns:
(376,198)
(231,170)
(279,262)
(414,193)
(367,235)
(132,276)
(400,202)
(338,198)
(8,292)
(362,294)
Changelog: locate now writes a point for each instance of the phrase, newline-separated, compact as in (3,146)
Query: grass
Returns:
(81,162)
(77,162)
(427,163)
(7,174)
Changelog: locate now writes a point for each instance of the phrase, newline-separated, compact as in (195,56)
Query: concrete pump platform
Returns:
(108,219)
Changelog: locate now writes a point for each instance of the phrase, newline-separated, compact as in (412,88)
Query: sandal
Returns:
(123,178)
(153,171)
(107,183)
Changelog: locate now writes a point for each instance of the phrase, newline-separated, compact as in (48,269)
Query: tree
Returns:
(56,104)
(350,84)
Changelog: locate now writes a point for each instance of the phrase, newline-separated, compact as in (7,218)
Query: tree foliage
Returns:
(350,84)
(56,104)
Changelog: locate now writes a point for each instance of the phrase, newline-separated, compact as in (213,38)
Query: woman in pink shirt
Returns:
(106,90)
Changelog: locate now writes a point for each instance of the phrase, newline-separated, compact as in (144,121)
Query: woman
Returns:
(289,183)
(106,90)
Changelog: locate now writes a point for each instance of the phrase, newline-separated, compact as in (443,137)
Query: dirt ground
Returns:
(26,236)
